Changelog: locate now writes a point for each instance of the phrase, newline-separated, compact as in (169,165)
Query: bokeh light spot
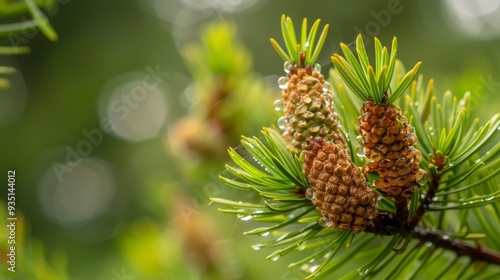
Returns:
(82,194)
(478,19)
(136,106)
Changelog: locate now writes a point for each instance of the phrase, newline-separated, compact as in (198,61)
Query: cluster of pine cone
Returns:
(338,188)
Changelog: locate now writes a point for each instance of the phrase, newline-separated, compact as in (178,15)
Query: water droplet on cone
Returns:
(325,222)
(310,193)
(421,177)
(287,66)
(317,67)
(283,82)
(278,105)
(360,151)
(282,122)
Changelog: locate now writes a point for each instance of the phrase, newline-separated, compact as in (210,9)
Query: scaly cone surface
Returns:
(386,136)
(338,188)
(389,142)
(306,98)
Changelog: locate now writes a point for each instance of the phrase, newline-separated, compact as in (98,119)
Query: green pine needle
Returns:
(41,20)
(369,82)
(304,50)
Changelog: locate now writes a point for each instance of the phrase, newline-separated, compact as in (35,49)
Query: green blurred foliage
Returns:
(139,234)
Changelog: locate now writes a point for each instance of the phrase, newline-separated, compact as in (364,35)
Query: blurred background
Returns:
(118,131)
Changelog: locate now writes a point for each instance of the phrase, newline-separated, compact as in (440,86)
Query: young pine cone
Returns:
(388,141)
(308,108)
(338,189)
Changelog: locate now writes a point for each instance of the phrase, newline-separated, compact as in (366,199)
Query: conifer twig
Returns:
(477,253)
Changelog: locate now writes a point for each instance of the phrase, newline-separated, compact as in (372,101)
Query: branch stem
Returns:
(476,253)
(426,201)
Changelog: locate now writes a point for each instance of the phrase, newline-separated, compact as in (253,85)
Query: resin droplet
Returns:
(325,222)
(421,177)
(317,67)
(310,193)
(282,82)
(282,122)
(278,105)
(287,66)
(360,151)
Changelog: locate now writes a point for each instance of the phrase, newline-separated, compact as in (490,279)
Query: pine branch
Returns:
(476,253)
(426,201)
(435,171)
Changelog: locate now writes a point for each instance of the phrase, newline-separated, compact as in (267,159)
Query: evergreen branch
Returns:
(460,156)
(426,201)
(476,253)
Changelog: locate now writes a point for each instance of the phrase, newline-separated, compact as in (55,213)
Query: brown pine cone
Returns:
(338,189)
(388,141)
